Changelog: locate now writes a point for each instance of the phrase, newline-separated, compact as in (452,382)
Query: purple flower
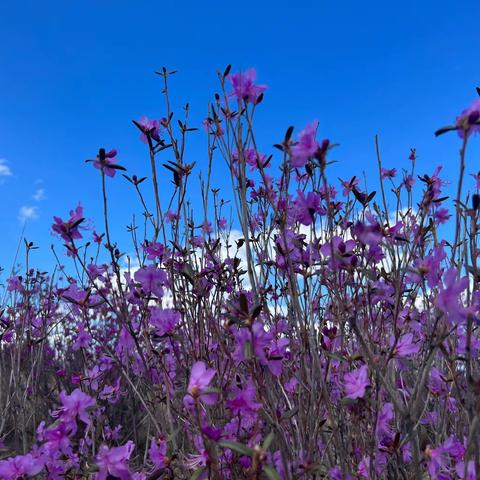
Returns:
(207,227)
(244,87)
(336,473)
(435,460)
(339,252)
(306,145)
(448,299)
(125,343)
(437,383)
(441,215)
(171,216)
(200,378)
(56,438)
(429,267)
(291,385)
(222,223)
(104,162)
(460,469)
(244,401)
(467,121)
(158,453)
(154,250)
(83,338)
(405,346)
(348,185)
(152,280)
(289,248)
(389,172)
(364,467)
(385,417)
(150,128)
(356,382)
(164,321)
(114,462)
(277,351)
(251,158)
(280,465)
(14,283)
(17,467)
(75,405)
(454,447)
(195,461)
(69,230)
(260,339)
(408,182)
(306,207)
(197,241)
(212,433)
(97,238)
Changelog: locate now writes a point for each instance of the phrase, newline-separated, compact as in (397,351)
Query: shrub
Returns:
(315,334)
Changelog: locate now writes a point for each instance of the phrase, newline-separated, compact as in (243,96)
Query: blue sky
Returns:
(74,75)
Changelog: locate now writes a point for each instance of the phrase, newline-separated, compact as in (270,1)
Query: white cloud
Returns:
(27,213)
(5,170)
(39,195)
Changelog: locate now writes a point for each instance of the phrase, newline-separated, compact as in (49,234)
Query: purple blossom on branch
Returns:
(306,146)
(106,161)
(244,87)
(356,383)
(150,128)
(114,462)
(200,378)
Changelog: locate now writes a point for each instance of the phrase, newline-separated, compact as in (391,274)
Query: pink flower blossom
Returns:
(151,128)
(468,121)
(68,230)
(460,469)
(448,299)
(384,419)
(75,405)
(348,185)
(154,250)
(251,158)
(152,280)
(405,346)
(340,253)
(171,216)
(389,172)
(14,283)
(114,461)
(83,338)
(200,378)
(244,87)
(408,182)
(164,321)
(17,467)
(441,215)
(244,401)
(105,162)
(306,207)
(254,342)
(356,383)
(305,147)
(158,453)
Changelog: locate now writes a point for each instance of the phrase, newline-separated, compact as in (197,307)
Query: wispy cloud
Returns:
(27,213)
(5,170)
(39,195)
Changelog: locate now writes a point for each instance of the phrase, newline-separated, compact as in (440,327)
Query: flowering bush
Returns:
(314,335)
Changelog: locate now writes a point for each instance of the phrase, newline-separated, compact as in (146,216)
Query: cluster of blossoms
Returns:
(315,335)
